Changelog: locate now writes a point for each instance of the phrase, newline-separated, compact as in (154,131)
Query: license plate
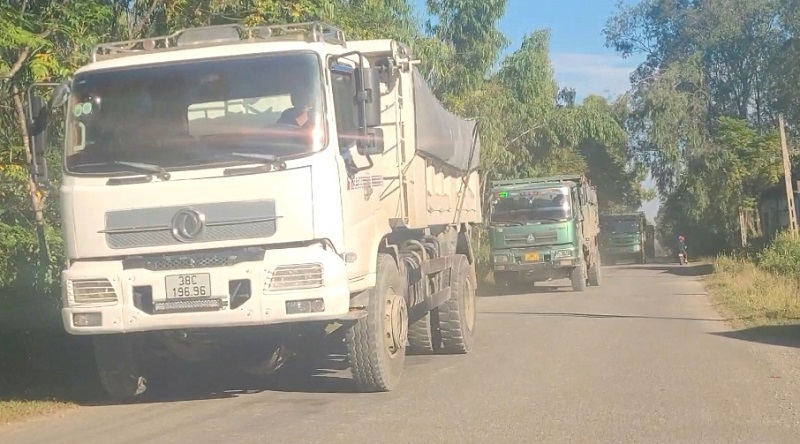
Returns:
(531,257)
(188,286)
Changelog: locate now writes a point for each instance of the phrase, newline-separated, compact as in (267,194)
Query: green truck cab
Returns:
(623,237)
(545,228)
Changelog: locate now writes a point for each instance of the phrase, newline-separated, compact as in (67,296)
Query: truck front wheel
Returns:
(376,344)
(578,278)
(119,365)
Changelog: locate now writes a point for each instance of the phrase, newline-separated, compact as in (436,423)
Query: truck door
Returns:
(359,193)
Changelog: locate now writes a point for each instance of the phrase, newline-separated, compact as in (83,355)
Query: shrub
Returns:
(782,256)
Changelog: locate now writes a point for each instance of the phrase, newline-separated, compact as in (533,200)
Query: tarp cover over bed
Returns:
(442,135)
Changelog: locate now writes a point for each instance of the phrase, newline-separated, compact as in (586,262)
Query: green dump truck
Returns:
(545,228)
(622,237)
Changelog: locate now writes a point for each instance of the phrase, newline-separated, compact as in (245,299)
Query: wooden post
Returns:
(787,178)
(743,227)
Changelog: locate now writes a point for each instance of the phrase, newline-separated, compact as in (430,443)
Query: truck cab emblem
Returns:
(531,239)
(188,224)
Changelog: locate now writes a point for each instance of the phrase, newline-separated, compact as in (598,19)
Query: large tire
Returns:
(457,316)
(595,273)
(423,338)
(119,365)
(578,278)
(376,344)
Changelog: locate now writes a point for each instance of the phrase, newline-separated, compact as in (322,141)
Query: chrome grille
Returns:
(223,221)
(623,241)
(546,238)
(184,263)
(119,241)
(188,261)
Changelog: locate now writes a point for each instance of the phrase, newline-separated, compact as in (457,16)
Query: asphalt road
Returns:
(642,359)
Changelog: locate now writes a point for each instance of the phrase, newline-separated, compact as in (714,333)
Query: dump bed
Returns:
(448,153)
(429,168)
(428,171)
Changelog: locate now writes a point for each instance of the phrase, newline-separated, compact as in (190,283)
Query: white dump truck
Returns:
(237,193)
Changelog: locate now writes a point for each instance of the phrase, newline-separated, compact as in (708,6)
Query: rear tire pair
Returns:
(376,344)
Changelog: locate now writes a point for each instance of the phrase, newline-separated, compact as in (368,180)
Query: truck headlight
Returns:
(558,254)
(89,291)
(296,277)
(500,259)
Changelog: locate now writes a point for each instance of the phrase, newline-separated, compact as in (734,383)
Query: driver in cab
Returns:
(301,114)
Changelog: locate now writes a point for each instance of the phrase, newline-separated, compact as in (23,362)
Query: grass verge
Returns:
(751,296)
(16,410)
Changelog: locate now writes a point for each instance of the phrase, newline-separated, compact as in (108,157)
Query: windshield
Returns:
(196,113)
(551,204)
(622,226)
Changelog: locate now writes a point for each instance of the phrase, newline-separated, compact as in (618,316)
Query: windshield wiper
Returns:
(135,167)
(160,172)
(269,161)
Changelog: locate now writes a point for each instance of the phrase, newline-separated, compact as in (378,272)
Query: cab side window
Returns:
(576,202)
(344,105)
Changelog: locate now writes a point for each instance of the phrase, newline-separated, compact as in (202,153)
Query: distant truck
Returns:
(622,237)
(545,228)
(290,184)
(650,241)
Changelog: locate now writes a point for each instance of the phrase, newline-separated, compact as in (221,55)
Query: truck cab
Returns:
(543,229)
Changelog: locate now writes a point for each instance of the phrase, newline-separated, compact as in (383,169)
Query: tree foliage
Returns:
(704,105)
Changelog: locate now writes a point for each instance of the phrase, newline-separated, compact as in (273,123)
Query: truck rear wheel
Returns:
(423,336)
(119,366)
(376,344)
(457,316)
(578,278)
(595,273)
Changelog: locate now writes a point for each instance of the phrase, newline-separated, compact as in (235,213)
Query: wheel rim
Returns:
(469,304)
(395,323)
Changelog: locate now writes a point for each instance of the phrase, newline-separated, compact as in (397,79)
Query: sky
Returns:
(577,51)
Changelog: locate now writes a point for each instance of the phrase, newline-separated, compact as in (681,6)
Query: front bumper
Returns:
(135,299)
(543,259)
(537,266)
(623,250)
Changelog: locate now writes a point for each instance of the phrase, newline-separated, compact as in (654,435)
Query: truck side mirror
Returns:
(372,143)
(38,114)
(37,127)
(370,96)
